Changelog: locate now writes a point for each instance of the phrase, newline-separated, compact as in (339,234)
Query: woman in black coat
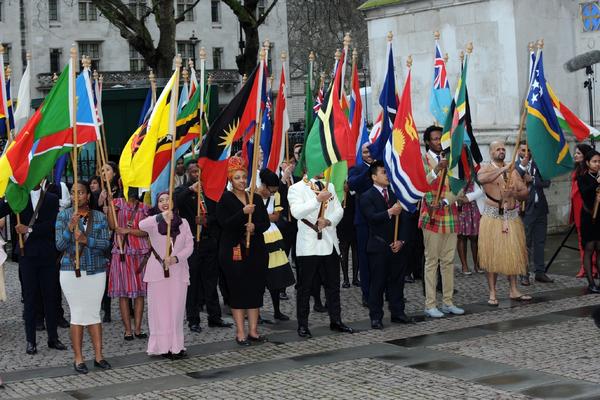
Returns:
(245,270)
(589,187)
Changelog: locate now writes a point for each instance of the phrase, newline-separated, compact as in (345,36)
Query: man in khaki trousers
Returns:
(437,220)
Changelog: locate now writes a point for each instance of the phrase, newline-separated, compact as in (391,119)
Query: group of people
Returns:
(179,250)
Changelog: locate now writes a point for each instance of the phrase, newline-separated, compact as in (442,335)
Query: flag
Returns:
(23,99)
(266,136)
(3,95)
(440,98)
(9,112)
(569,122)
(357,121)
(389,103)
(316,106)
(544,134)
(453,136)
(183,97)
(97,91)
(309,116)
(237,120)
(280,128)
(47,135)
(327,142)
(187,128)
(402,156)
(137,158)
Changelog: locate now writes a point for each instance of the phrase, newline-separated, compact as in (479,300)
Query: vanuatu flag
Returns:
(236,121)
(544,134)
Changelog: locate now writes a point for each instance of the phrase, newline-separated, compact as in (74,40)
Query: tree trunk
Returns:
(247,61)
(166,43)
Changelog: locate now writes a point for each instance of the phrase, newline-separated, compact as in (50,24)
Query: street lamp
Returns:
(193,41)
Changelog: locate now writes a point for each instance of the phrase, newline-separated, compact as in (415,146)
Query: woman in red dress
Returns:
(576,202)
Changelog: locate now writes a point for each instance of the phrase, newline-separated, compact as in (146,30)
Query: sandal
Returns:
(492,302)
(141,335)
(257,339)
(523,297)
(467,272)
(128,338)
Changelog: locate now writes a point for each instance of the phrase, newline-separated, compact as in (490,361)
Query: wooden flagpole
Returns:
(173,134)
(347,41)
(255,149)
(200,209)
(99,140)
(75,166)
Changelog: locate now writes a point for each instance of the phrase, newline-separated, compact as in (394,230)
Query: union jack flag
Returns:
(440,77)
(319,100)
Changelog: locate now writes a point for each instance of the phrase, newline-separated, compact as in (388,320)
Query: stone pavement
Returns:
(545,349)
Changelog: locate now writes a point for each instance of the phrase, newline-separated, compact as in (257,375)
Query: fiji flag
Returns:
(544,134)
(441,98)
(389,103)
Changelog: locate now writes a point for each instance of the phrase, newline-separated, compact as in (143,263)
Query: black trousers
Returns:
(328,268)
(204,278)
(386,271)
(345,247)
(39,277)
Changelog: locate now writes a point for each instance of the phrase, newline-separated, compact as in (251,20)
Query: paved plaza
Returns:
(548,348)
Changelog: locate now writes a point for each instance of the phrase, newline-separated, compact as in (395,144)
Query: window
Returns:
(6,53)
(217,57)
(183,5)
(92,50)
(261,8)
(52,10)
(1,10)
(270,55)
(87,11)
(136,61)
(186,49)
(55,60)
(138,7)
(215,11)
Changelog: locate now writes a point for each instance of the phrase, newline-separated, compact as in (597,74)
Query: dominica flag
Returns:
(46,136)
(237,120)
(544,134)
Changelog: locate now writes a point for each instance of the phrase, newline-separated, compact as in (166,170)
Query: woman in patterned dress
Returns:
(468,226)
(125,278)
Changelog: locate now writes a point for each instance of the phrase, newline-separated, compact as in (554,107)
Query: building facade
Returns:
(500,31)
(49,28)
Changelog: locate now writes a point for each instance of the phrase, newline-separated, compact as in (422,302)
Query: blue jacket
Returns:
(359,181)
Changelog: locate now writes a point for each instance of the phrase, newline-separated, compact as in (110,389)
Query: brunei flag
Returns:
(236,121)
(328,140)
(544,133)
(137,157)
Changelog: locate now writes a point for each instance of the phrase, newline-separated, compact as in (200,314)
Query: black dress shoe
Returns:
(304,332)
(409,279)
(376,324)
(31,348)
(195,328)
(106,317)
(56,345)
(257,339)
(402,319)
(283,296)
(356,283)
(103,364)
(346,285)
(219,323)
(63,323)
(179,356)
(141,335)
(244,342)
(264,321)
(128,338)
(340,327)
(542,277)
(281,316)
(80,368)
(320,308)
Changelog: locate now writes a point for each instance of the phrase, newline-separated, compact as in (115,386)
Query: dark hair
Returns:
(268,177)
(590,154)
(581,167)
(375,165)
(92,202)
(95,178)
(523,141)
(427,134)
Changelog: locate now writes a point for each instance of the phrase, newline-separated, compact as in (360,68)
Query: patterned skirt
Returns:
(125,278)
(468,219)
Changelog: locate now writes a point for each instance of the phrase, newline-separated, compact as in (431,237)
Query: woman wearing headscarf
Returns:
(166,295)
(279,275)
(245,269)
(89,228)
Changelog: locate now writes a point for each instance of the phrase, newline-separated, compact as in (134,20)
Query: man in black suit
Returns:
(387,263)
(37,267)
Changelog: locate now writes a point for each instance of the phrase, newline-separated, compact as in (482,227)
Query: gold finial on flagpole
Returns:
(266,44)
(28,56)
(347,39)
(8,72)
(54,77)
(178,61)
(151,76)
(462,56)
(263,52)
(531,47)
(446,57)
(190,64)
(283,56)
(390,36)
(338,55)
(101,78)
(185,75)
(210,79)
(436,35)
(95,75)
(540,44)
(311,56)
(469,48)
(202,53)
(409,61)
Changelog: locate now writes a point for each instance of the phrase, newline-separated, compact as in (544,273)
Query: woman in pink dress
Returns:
(577,203)
(166,295)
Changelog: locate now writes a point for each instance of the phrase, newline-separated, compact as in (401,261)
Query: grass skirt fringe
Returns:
(500,251)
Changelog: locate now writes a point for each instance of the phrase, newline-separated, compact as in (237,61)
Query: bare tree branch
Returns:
(181,16)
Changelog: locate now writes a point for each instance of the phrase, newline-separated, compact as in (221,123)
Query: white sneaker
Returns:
(434,313)
(452,310)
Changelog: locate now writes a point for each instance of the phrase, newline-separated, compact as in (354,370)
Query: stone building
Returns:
(48,28)
(497,77)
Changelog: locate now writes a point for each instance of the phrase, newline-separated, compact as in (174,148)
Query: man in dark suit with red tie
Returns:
(387,263)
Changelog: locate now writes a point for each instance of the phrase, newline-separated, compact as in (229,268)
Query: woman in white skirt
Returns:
(84,294)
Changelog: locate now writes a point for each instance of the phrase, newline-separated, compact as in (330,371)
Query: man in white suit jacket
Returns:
(317,248)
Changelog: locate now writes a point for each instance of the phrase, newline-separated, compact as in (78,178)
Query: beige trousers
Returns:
(439,246)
